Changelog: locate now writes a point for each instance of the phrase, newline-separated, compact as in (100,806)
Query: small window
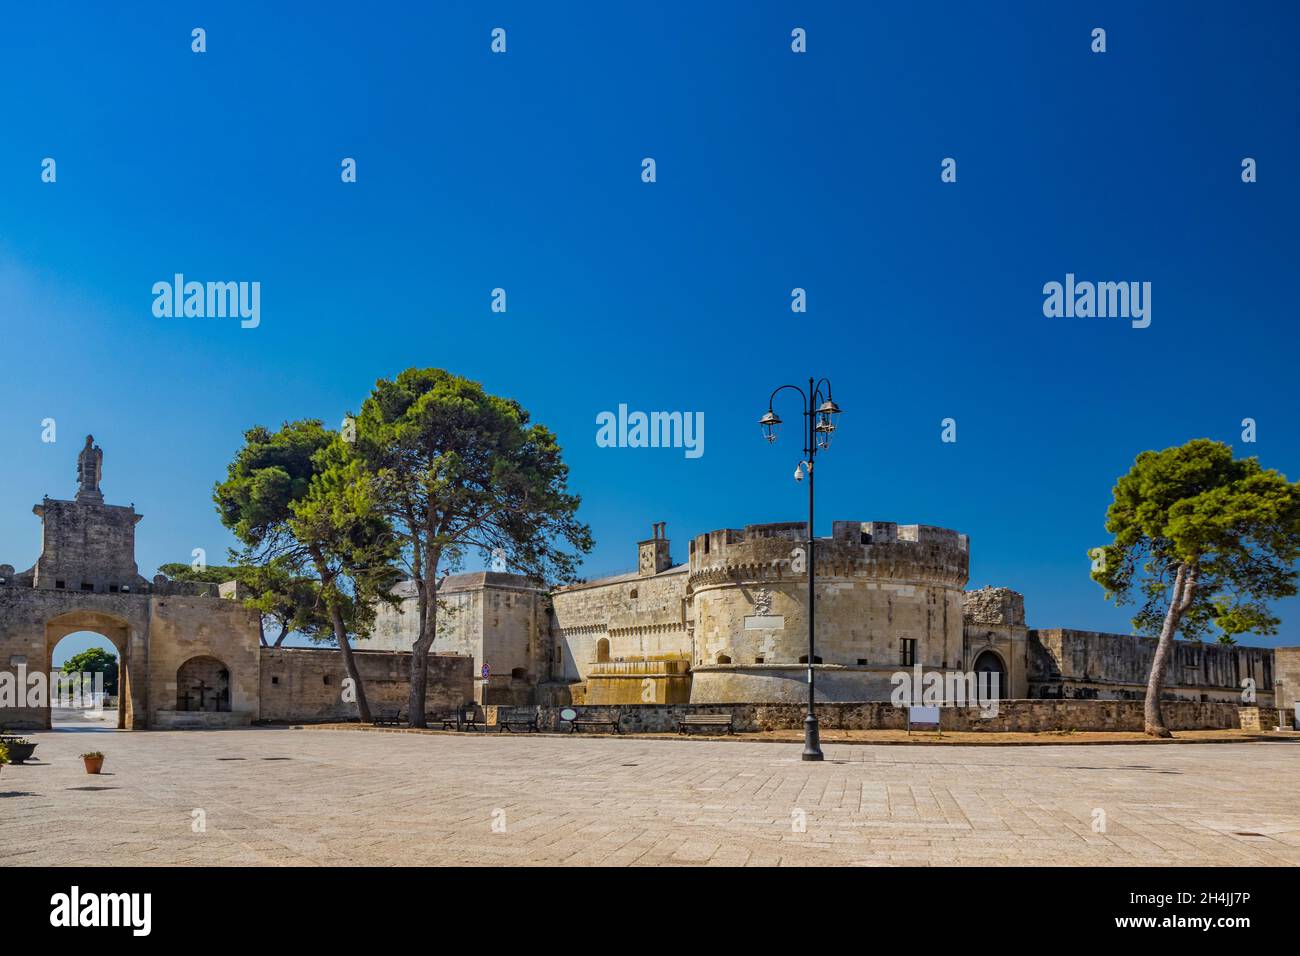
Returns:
(112,589)
(59,584)
(275,680)
(326,678)
(724,659)
(518,673)
(758,660)
(862,662)
(803,659)
(632,594)
(87,586)
(908,645)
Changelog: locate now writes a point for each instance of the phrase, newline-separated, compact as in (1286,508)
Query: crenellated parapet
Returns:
(880,550)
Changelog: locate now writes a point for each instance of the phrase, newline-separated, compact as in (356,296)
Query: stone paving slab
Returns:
(270,797)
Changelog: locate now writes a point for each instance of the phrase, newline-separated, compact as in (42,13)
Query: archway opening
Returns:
(203,684)
(108,632)
(602,650)
(990,675)
(83,682)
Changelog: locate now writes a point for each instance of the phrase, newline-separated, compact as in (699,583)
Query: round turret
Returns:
(888,597)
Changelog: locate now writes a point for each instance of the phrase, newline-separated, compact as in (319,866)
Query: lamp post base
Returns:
(812,743)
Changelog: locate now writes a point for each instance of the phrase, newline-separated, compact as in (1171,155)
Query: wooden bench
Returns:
(511,718)
(705,720)
(592,720)
(387,717)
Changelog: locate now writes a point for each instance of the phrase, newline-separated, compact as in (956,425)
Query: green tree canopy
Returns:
(95,660)
(1202,541)
(298,502)
(457,470)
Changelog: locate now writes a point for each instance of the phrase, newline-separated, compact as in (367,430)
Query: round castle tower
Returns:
(889,597)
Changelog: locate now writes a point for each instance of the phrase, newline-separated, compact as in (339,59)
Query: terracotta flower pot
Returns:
(94,764)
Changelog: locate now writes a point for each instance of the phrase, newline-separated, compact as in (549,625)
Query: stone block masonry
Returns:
(1014,716)
(305,684)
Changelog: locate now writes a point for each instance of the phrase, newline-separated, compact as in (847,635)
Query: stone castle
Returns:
(728,626)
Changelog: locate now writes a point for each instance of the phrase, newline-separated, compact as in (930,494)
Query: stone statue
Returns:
(90,469)
(762,602)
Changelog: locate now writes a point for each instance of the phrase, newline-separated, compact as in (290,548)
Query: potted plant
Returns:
(19,748)
(94,761)
(4,755)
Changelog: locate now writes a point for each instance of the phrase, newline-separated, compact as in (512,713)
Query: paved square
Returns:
(279,796)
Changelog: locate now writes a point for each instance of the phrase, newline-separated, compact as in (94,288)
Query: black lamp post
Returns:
(819,412)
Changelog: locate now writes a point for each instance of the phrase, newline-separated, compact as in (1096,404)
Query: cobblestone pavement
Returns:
(279,796)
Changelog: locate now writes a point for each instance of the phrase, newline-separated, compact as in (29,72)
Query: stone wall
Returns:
(1286,682)
(494,618)
(636,616)
(305,684)
(636,682)
(1090,664)
(1023,716)
(154,634)
(182,628)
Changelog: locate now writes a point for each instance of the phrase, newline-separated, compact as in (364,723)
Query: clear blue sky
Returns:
(775,170)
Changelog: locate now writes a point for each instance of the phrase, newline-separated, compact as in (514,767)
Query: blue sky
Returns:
(775,171)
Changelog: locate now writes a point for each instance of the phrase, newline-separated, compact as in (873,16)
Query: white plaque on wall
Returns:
(763,622)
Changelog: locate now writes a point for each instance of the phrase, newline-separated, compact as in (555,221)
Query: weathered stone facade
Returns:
(730,625)
(1089,664)
(493,618)
(1013,716)
(189,655)
(302,683)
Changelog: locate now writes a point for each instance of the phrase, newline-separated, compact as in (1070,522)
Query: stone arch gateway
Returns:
(117,630)
(86,579)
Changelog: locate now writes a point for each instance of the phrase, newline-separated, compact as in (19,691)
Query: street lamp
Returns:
(820,414)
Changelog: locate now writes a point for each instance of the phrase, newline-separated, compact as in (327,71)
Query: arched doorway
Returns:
(115,632)
(83,682)
(203,684)
(602,650)
(990,673)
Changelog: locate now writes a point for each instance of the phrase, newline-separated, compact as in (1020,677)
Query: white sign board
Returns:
(922,716)
(765,622)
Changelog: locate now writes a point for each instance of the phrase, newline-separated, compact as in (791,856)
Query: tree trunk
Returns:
(1184,589)
(420,648)
(284,632)
(350,664)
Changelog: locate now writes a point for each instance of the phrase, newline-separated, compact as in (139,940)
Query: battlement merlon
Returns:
(877,548)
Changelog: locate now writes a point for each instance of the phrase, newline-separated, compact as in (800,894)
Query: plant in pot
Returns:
(20,748)
(4,755)
(94,761)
